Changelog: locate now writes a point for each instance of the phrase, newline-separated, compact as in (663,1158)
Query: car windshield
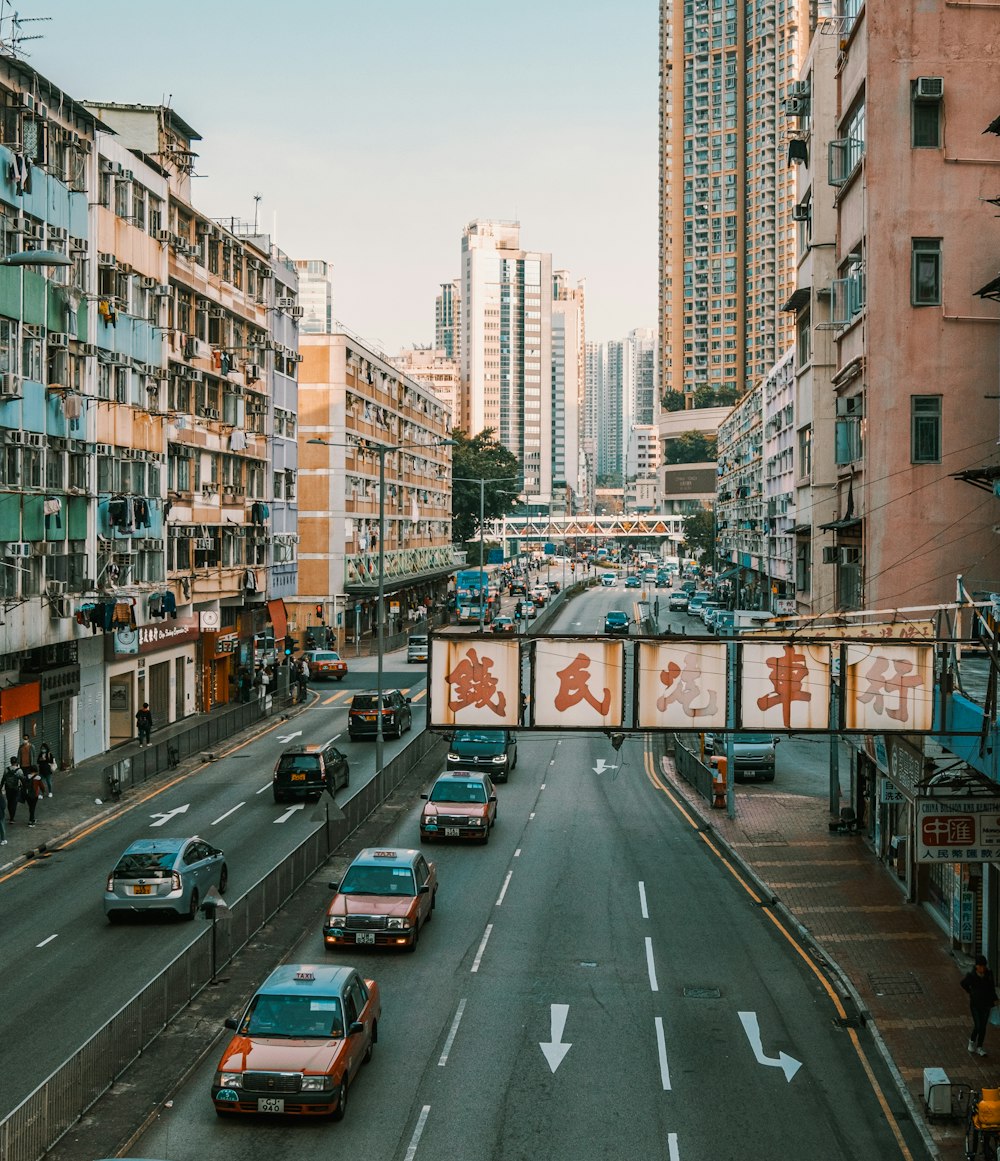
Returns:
(753,739)
(326,656)
(616,618)
(451,791)
(298,763)
(367,880)
(478,736)
(295,1017)
(145,865)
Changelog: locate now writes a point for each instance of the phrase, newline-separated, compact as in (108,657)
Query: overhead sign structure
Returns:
(958,830)
(777,684)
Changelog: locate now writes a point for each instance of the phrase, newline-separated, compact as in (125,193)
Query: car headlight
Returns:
(316,1084)
(229,1080)
(400,923)
(453,757)
(500,758)
(475,822)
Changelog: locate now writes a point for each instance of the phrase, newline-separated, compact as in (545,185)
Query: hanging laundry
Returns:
(250,581)
(216,360)
(140,512)
(170,605)
(72,406)
(120,515)
(238,440)
(123,614)
(226,363)
(155,606)
(107,312)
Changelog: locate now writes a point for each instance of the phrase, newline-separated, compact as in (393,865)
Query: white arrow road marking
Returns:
(452,1034)
(165,818)
(661,1052)
(289,737)
(45,941)
(642,900)
(602,766)
(788,1064)
(289,812)
(555,1050)
(228,813)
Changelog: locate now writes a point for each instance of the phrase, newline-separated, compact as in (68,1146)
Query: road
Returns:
(597,983)
(79,970)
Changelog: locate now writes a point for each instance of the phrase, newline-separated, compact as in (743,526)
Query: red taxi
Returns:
(299,1044)
(325,663)
(383,901)
(460,804)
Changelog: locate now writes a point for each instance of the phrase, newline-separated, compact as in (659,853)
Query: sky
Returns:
(375,130)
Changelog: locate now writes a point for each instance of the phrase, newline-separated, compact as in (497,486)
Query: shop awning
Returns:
(278,616)
(798,300)
(841,525)
(730,572)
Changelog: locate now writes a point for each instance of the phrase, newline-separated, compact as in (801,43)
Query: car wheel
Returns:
(192,910)
(341,676)
(223,879)
(278,797)
(411,947)
(338,1114)
(370,1050)
(347,776)
(115,917)
(769,777)
(486,836)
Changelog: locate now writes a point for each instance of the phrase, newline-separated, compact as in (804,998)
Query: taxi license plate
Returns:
(368,717)
(451,832)
(270,1105)
(142,889)
(365,937)
(298,777)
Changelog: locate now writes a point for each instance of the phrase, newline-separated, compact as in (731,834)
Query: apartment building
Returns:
(569,467)
(642,462)
(890,117)
(506,349)
(448,319)
(352,401)
(725,191)
(436,369)
(315,296)
(740,504)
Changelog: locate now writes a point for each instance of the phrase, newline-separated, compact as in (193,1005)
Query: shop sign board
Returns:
(889,793)
(958,831)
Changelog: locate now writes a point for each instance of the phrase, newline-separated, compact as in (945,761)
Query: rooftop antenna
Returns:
(12,41)
(256,207)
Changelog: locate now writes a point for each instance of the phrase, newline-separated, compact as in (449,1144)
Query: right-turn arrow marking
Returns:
(555,1050)
(788,1064)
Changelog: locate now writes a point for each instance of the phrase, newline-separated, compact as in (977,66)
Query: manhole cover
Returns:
(901,984)
(767,838)
(702,993)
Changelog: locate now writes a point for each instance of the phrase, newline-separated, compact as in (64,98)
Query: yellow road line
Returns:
(659,784)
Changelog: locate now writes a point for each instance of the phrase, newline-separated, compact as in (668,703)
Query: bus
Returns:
(472,590)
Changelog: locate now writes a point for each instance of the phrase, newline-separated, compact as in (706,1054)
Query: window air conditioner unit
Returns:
(801,212)
(850,555)
(795,106)
(217,312)
(193,374)
(33,439)
(10,385)
(104,259)
(104,449)
(161,290)
(58,339)
(852,405)
(798,89)
(19,548)
(56,587)
(296,311)
(205,542)
(27,101)
(57,234)
(125,175)
(930,88)
(212,412)
(284,303)
(163,235)
(59,608)
(124,547)
(252,371)
(147,283)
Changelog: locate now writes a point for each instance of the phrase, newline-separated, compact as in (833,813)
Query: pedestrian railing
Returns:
(692,769)
(65,1096)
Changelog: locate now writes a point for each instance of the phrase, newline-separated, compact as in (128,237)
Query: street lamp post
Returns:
(482,531)
(382,450)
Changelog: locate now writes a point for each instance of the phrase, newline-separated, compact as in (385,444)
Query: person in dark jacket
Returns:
(11,785)
(982,989)
(144,723)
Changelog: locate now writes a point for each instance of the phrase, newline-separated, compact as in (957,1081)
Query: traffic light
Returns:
(289,646)
(319,612)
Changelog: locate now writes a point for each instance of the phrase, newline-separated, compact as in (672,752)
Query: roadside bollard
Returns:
(718,767)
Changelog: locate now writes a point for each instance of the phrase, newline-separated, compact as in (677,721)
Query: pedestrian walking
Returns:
(303,679)
(144,723)
(31,786)
(244,683)
(982,989)
(46,766)
(11,783)
(25,754)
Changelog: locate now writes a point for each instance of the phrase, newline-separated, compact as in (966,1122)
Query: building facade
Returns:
(569,467)
(448,319)
(437,370)
(315,296)
(353,399)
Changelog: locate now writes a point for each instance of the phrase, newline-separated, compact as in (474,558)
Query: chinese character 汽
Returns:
(682,681)
(472,684)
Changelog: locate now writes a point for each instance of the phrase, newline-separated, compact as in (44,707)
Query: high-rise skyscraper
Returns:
(447,319)
(569,469)
(623,372)
(726,190)
(315,296)
(506,347)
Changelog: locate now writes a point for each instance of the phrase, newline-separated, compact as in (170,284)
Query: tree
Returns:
(481,457)
(699,535)
(690,447)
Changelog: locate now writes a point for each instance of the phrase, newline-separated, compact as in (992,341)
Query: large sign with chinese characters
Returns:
(576,682)
(966,831)
(680,686)
(475,682)
(576,687)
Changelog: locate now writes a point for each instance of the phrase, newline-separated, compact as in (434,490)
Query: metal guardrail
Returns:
(66,1095)
(692,769)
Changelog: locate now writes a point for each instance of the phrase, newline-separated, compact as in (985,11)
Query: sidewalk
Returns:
(892,954)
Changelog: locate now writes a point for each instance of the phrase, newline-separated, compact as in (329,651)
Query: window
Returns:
(925,429)
(803,566)
(805,453)
(848,440)
(925,123)
(925,272)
